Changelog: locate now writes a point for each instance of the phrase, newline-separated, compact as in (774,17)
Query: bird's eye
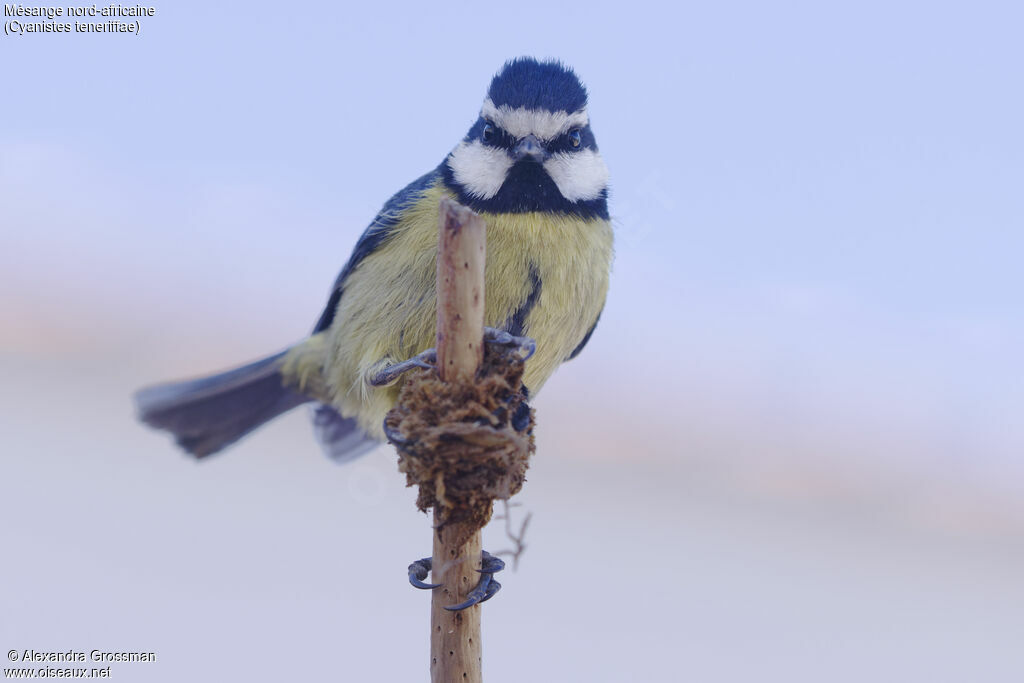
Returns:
(574,137)
(488,133)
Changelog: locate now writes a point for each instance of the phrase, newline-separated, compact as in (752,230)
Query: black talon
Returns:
(474,596)
(418,571)
(492,590)
(491,564)
(396,438)
(487,587)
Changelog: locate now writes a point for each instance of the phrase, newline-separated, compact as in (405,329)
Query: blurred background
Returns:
(791,452)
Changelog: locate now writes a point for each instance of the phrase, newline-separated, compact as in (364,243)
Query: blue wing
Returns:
(378,231)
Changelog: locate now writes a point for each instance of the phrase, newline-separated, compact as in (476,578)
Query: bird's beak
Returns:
(529,148)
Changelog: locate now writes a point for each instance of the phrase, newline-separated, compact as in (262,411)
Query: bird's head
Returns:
(531,149)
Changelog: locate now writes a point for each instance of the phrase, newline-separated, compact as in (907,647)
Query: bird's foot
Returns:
(484,590)
(385,373)
(389,373)
(525,346)
(418,572)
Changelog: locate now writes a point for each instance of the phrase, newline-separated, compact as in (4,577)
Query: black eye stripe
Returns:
(499,137)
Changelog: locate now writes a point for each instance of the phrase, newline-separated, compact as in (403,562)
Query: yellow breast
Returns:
(388,310)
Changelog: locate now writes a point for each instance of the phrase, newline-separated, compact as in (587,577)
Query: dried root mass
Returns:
(455,440)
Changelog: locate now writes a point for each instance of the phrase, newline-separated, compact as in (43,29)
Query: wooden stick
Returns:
(461,251)
(455,652)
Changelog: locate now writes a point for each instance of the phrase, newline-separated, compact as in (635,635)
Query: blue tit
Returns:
(530,166)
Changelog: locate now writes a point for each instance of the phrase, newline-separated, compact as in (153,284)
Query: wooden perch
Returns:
(455,648)
(456,441)
(461,253)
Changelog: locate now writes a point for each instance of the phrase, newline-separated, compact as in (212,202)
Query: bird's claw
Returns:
(526,346)
(492,589)
(418,572)
(424,359)
(388,374)
(490,564)
(485,589)
(395,437)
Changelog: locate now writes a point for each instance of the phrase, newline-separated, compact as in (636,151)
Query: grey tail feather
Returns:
(207,414)
(340,437)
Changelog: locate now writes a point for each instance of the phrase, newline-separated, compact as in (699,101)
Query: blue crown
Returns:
(525,82)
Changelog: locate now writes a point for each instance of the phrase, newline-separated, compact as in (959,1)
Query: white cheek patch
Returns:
(479,169)
(579,175)
(520,122)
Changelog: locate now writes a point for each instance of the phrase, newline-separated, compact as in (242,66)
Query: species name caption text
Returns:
(20,20)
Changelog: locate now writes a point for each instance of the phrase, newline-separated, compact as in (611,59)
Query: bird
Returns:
(530,167)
